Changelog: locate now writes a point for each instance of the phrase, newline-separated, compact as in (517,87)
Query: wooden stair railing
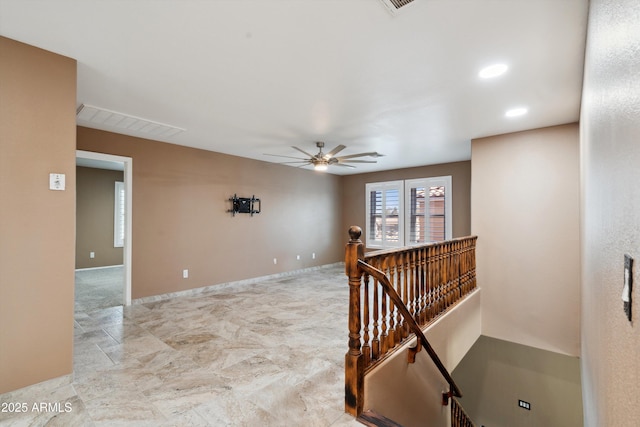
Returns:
(423,282)
(413,327)
(459,417)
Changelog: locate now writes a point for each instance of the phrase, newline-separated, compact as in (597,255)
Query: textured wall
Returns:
(495,374)
(95,200)
(37,225)
(525,211)
(610,151)
(180,219)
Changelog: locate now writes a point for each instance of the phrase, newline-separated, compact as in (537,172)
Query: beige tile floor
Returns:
(269,353)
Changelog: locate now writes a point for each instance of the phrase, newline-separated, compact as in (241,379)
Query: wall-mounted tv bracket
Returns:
(244,205)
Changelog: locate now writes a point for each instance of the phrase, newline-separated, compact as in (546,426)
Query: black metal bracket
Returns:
(445,398)
(244,205)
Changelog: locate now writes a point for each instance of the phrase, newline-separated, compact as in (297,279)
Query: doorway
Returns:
(125,164)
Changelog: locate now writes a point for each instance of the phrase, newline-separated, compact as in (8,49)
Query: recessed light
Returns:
(492,71)
(515,112)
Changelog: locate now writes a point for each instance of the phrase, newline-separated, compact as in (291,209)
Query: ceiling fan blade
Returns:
(288,157)
(335,151)
(351,156)
(299,161)
(357,161)
(344,165)
(303,152)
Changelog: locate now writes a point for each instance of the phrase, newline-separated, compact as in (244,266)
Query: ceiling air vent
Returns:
(393,6)
(101,118)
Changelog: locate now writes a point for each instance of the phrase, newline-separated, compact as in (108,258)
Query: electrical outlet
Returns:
(275,261)
(298,257)
(92,255)
(313,255)
(524,405)
(185,274)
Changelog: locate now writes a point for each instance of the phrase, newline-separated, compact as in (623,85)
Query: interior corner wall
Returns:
(353,194)
(495,374)
(95,210)
(37,225)
(610,165)
(526,213)
(181,219)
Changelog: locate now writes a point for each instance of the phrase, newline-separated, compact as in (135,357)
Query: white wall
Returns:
(525,212)
(610,151)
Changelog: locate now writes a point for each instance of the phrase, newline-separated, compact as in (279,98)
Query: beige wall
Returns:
(95,204)
(180,218)
(610,160)
(495,374)
(411,394)
(525,212)
(37,225)
(353,194)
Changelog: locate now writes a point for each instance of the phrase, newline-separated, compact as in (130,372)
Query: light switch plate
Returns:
(56,181)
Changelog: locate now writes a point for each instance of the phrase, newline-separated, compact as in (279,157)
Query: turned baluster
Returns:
(375,342)
(441,278)
(406,278)
(400,274)
(366,348)
(391,272)
(435,284)
(445,276)
(430,283)
(413,280)
(384,319)
(424,289)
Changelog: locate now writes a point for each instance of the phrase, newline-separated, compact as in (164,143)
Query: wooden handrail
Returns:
(413,326)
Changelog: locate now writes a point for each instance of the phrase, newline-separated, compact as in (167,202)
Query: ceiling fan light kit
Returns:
(321,161)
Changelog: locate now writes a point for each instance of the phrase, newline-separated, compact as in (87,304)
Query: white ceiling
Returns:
(248,77)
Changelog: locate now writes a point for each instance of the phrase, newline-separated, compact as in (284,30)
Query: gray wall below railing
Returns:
(495,374)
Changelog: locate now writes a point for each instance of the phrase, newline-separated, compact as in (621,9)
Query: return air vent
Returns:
(393,6)
(122,123)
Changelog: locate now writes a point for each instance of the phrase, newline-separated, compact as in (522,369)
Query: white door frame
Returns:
(128,185)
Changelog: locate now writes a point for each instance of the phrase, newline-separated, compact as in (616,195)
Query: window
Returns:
(428,210)
(118,216)
(423,205)
(384,220)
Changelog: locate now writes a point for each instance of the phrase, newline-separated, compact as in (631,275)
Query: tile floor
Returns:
(264,354)
(99,288)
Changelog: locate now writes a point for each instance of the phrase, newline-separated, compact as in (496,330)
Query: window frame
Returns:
(404,188)
(384,187)
(119,212)
(437,181)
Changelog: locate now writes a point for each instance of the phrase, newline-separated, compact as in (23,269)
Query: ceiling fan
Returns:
(322,161)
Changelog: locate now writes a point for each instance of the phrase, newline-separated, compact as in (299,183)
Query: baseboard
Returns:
(222,286)
(46,387)
(99,268)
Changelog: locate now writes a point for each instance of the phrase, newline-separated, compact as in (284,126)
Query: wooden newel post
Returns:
(354,362)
